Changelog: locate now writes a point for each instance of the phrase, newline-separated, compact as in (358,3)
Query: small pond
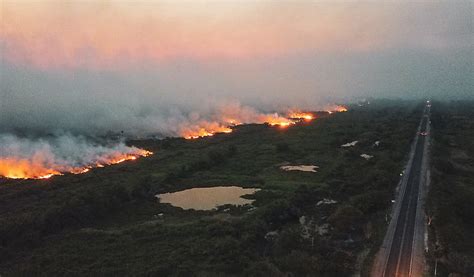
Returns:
(207,198)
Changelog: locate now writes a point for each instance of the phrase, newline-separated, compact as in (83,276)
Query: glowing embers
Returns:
(44,167)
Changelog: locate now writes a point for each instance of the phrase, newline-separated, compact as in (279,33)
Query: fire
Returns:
(47,176)
(205,128)
(41,168)
(341,109)
(232,122)
(337,108)
(24,169)
(232,115)
(199,132)
(80,170)
(45,165)
(281,124)
(276,120)
(301,115)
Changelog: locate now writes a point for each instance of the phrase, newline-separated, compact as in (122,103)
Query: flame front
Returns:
(23,169)
(224,122)
(276,120)
(336,108)
(204,129)
(301,115)
(43,167)
(39,167)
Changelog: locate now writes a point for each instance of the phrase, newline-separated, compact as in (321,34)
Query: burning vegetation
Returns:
(336,108)
(301,116)
(40,168)
(26,158)
(206,128)
(225,122)
(23,159)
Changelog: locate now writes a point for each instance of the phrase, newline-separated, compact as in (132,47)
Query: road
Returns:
(402,251)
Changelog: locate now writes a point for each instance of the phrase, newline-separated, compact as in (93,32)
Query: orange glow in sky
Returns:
(104,34)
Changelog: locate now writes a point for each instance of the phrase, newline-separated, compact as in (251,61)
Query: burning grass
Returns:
(40,166)
(224,125)
(206,129)
(301,115)
(336,108)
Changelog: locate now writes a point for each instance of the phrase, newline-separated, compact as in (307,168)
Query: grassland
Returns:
(451,197)
(105,222)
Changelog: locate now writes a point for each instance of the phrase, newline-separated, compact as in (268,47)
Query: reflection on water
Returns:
(207,198)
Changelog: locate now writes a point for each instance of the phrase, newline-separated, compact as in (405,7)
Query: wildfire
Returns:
(337,108)
(205,128)
(276,120)
(232,122)
(45,165)
(41,168)
(281,124)
(22,169)
(301,115)
(199,132)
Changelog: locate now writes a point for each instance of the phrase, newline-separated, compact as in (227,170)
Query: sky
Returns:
(148,66)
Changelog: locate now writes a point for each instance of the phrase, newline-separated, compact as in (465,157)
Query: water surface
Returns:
(207,198)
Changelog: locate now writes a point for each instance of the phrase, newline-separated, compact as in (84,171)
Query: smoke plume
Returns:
(169,68)
(44,157)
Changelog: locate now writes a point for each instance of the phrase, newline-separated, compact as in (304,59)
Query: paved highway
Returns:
(401,254)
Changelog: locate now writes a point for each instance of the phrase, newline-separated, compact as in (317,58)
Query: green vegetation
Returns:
(451,196)
(106,222)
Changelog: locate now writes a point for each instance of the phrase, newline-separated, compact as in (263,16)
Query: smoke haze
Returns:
(163,67)
(147,67)
(37,158)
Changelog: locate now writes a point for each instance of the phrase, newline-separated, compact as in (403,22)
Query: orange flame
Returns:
(205,128)
(206,131)
(301,115)
(276,120)
(337,108)
(23,169)
(36,168)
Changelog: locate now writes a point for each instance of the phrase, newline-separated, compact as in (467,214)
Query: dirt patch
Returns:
(350,144)
(305,168)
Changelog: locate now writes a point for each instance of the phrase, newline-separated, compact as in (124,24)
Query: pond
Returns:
(207,198)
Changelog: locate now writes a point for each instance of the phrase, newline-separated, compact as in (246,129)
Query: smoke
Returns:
(191,69)
(152,68)
(42,157)
(97,103)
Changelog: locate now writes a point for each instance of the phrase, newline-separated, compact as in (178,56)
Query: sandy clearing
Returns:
(350,144)
(306,168)
(366,156)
